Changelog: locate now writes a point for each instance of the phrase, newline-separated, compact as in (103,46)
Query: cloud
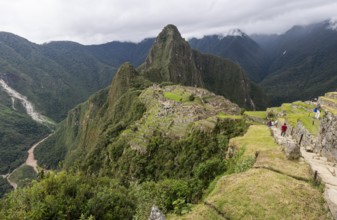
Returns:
(100,21)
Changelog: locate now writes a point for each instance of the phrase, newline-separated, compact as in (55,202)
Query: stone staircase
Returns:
(326,173)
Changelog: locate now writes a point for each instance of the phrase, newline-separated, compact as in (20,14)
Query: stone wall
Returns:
(327,139)
(300,132)
(296,137)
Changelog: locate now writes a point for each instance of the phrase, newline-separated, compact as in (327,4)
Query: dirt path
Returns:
(323,170)
(14,185)
(31,158)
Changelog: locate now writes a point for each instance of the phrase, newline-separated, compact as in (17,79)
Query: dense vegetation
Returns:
(17,133)
(23,175)
(55,76)
(172,174)
(68,196)
(4,187)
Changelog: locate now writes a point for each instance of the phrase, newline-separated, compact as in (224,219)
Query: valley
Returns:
(35,116)
(180,131)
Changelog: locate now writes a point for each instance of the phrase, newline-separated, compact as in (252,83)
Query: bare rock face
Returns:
(327,140)
(156,214)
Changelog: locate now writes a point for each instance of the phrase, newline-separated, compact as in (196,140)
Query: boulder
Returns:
(292,150)
(156,214)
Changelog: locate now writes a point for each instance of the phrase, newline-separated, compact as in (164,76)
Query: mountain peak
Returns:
(122,81)
(232,33)
(168,34)
(170,60)
(333,24)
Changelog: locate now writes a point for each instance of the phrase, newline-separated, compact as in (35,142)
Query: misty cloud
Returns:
(100,21)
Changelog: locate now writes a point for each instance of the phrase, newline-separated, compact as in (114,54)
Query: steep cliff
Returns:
(172,60)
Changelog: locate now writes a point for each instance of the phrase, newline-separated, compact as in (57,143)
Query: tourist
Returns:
(317,114)
(283,129)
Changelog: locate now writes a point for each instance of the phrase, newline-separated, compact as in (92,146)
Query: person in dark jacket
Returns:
(283,129)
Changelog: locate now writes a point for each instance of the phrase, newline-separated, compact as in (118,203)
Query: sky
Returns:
(101,21)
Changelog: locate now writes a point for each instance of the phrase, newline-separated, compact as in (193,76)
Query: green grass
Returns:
(257,138)
(261,193)
(223,115)
(304,105)
(23,175)
(258,114)
(332,110)
(181,94)
(176,97)
(286,107)
(329,99)
(264,194)
(299,112)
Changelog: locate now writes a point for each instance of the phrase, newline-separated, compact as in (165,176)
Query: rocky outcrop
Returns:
(156,214)
(327,139)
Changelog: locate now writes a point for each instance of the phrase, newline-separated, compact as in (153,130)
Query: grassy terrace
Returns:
(260,192)
(329,99)
(253,138)
(257,114)
(223,116)
(176,96)
(298,111)
(179,94)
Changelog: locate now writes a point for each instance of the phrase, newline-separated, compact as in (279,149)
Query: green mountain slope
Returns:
(112,110)
(17,133)
(156,137)
(238,47)
(55,76)
(302,63)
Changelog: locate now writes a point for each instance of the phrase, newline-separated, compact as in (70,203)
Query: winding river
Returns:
(36,116)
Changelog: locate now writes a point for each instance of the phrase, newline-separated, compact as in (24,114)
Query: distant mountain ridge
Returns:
(302,63)
(110,112)
(261,56)
(297,65)
(55,76)
(237,47)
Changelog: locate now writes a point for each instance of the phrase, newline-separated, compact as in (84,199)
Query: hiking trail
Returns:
(323,170)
